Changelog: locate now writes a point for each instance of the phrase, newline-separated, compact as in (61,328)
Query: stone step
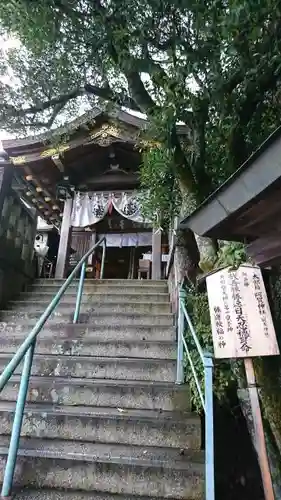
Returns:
(165,396)
(88,308)
(96,297)
(91,367)
(92,346)
(88,332)
(106,425)
(123,282)
(94,287)
(134,470)
(77,495)
(95,318)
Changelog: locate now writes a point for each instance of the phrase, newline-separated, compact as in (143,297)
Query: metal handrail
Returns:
(206,395)
(26,351)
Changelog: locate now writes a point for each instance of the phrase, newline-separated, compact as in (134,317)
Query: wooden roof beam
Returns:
(57,161)
(40,211)
(39,204)
(40,188)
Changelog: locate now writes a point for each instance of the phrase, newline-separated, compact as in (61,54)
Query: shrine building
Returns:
(85,183)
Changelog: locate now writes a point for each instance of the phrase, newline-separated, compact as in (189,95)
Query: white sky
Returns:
(5,44)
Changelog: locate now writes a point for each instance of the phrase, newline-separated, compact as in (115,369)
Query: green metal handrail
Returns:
(26,351)
(206,395)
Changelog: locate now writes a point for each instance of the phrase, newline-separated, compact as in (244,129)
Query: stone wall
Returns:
(17,233)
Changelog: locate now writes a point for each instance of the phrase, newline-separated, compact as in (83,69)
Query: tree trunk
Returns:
(187,256)
(208,250)
(191,250)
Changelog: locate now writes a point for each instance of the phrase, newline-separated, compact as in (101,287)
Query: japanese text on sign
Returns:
(240,316)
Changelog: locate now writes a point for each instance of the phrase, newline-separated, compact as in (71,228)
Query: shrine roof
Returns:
(97,151)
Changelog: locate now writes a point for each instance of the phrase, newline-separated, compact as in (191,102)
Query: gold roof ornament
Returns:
(109,133)
(144,144)
(18,160)
(54,151)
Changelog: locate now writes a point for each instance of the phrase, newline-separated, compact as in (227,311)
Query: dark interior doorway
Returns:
(117,263)
(122,263)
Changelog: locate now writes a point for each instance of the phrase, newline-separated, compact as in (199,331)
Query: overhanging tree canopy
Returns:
(214,65)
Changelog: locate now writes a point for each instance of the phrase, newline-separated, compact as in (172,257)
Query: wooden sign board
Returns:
(240,316)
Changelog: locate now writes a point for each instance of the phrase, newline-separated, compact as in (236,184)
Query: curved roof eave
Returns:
(116,113)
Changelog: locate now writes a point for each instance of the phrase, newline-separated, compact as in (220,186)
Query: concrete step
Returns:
(137,287)
(111,282)
(91,367)
(92,346)
(135,470)
(77,495)
(95,318)
(106,425)
(164,396)
(88,332)
(88,308)
(96,298)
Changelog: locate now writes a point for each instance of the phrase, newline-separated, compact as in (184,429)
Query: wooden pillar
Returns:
(65,236)
(156,254)
(6,177)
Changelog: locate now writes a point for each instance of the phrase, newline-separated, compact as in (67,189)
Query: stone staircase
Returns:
(104,419)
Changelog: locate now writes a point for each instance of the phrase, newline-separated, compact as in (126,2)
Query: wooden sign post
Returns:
(242,327)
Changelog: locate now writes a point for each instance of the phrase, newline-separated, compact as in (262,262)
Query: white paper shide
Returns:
(240,315)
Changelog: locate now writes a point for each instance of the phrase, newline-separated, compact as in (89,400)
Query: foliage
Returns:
(230,255)
(161,195)
(198,309)
(214,66)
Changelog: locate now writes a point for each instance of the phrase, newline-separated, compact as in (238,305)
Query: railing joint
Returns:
(182,294)
(208,359)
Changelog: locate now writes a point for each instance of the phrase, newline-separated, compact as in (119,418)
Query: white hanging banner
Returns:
(128,239)
(90,208)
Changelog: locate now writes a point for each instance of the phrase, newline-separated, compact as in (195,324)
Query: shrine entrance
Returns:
(117,263)
(124,251)
(128,237)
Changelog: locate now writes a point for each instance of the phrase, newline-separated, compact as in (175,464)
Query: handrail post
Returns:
(102,259)
(180,352)
(79,293)
(17,424)
(209,428)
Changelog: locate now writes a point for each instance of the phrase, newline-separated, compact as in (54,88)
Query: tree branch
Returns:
(43,106)
(255,92)
(139,93)
(182,169)
(57,103)
(122,98)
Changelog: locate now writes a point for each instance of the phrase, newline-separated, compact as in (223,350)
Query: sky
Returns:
(5,44)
